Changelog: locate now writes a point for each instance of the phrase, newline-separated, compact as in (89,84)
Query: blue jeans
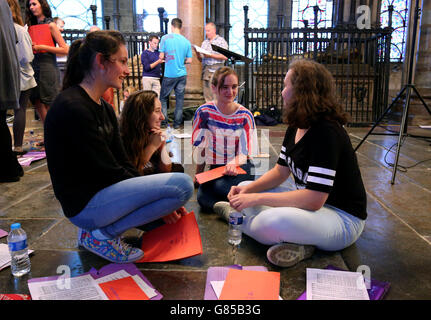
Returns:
(217,190)
(134,202)
(328,228)
(179,85)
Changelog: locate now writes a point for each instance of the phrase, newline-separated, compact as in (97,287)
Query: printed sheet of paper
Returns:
(79,288)
(335,285)
(172,241)
(251,285)
(215,174)
(201,50)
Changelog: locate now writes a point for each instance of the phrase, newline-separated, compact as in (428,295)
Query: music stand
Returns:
(407,89)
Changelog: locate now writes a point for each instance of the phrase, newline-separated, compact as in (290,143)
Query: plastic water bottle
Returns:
(17,242)
(169,134)
(31,141)
(235,228)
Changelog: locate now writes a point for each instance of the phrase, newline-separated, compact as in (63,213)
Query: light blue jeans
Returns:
(328,228)
(179,87)
(134,202)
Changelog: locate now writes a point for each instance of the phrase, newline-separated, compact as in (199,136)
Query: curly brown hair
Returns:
(134,128)
(313,97)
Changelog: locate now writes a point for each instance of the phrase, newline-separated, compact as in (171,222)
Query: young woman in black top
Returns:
(328,208)
(100,191)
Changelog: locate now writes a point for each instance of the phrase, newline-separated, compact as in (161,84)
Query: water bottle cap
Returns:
(15,226)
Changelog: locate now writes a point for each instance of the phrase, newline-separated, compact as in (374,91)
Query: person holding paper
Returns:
(143,139)
(224,134)
(44,64)
(99,190)
(328,208)
(211,61)
(25,56)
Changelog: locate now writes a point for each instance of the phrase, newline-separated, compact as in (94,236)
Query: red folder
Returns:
(41,34)
(215,174)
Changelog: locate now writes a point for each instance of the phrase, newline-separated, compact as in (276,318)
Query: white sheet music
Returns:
(79,288)
(201,50)
(335,285)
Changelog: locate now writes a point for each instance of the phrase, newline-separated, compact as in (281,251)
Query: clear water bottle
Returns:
(169,134)
(235,228)
(17,242)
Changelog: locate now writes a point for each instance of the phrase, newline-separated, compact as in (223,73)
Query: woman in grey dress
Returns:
(44,63)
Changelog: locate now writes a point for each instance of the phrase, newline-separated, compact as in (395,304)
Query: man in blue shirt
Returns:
(152,66)
(176,51)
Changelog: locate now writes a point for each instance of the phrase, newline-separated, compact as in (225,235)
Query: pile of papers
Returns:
(112,282)
(5,258)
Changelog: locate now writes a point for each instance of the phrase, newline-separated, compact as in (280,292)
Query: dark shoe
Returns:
(288,254)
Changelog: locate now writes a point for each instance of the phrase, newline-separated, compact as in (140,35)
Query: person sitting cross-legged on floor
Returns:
(100,191)
(328,208)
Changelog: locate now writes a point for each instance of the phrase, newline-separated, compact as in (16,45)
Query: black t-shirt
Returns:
(324,160)
(84,150)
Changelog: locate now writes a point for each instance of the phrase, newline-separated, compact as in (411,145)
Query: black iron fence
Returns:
(359,60)
(136,43)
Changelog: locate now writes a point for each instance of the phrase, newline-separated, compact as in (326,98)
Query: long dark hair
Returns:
(83,51)
(134,127)
(30,19)
(313,96)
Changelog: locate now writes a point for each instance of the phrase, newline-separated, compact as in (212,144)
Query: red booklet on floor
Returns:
(215,174)
(41,34)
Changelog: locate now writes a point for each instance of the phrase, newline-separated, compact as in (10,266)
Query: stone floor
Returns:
(395,245)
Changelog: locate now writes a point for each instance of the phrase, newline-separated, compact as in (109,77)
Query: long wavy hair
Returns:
(134,128)
(313,96)
(30,19)
(16,12)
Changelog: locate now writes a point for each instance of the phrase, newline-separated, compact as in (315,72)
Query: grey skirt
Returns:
(47,78)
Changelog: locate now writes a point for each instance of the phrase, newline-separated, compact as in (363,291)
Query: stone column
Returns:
(192,14)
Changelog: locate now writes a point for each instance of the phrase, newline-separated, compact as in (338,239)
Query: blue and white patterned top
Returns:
(206,44)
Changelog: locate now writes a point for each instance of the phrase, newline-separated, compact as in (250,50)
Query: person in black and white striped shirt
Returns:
(328,208)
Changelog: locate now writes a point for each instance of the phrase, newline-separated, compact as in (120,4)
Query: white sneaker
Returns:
(288,254)
(223,210)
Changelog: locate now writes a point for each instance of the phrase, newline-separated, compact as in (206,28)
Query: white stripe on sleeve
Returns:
(318,180)
(325,171)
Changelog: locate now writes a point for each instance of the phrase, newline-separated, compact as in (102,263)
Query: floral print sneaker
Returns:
(114,250)
(288,254)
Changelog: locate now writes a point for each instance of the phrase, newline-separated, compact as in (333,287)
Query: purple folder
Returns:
(376,292)
(219,274)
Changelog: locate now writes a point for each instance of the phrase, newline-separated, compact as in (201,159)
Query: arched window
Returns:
(399,23)
(147,15)
(257,16)
(76,13)
(303,13)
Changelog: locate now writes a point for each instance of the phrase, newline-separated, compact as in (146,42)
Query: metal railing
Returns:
(359,60)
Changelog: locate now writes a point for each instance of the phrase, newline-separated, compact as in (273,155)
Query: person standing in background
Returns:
(10,169)
(45,63)
(176,51)
(152,65)
(25,56)
(211,62)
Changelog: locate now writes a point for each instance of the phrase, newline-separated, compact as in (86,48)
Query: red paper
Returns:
(251,285)
(123,289)
(6,296)
(215,174)
(172,241)
(41,34)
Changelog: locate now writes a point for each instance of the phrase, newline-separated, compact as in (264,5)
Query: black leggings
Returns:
(9,165)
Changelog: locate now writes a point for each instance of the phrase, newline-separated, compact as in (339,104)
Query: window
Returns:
(399,23)
(257,16)
(147,15)
(303,13)
(76,14)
